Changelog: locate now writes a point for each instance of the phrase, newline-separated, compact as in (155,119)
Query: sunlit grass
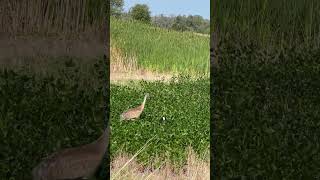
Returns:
(159,49)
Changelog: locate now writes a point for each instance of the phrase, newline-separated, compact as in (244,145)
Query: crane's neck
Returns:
(144,101)
(103,140)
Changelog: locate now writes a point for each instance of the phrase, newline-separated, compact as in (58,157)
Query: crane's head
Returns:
(146,95)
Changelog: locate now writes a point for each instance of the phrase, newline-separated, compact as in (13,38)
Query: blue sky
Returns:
(174,7)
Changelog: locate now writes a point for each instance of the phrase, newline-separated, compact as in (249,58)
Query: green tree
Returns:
(180,24)
(163,21)
(141,12)
(116,7)
(196,23)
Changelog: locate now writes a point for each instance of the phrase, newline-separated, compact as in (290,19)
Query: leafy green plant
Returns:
(266,109)
(185,105)
(43,113)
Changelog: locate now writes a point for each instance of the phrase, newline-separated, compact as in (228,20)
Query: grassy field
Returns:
(41,113)
(185,105)
(159,49)
(266,89)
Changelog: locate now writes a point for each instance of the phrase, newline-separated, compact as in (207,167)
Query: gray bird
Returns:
(134,113)
(73,163)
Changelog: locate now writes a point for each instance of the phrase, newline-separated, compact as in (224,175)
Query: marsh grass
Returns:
(46,18)
(161,50)
(268,22)
(121,62)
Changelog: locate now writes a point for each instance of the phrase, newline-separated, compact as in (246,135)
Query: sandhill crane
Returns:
(134,112)
(73,163)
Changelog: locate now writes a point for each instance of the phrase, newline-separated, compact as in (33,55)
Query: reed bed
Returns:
(268,22)
(161,50)
(46,17)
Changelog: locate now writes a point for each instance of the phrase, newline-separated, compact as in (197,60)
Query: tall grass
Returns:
(159,49)
(268,22)
(49,17)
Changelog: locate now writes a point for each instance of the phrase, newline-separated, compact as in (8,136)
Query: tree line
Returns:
(141,12)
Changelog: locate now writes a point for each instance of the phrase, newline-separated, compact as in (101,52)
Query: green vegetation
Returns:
(116,7)
(141,12)
(46,17)
(43,113)
(266,107)
(159,49)
(194,23)
(183,101)
(266,89)
(47,104)
(268,22)
(185,105)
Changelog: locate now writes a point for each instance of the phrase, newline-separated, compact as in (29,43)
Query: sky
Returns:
(174,7)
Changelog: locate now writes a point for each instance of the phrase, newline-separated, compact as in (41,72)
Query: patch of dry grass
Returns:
(120,62)
(196,168)
(124,68)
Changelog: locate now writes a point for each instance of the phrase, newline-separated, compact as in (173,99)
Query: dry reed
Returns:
(196,168)
(49,18)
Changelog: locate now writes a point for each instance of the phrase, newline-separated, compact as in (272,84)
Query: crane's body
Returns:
(73,163)
(134,113)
